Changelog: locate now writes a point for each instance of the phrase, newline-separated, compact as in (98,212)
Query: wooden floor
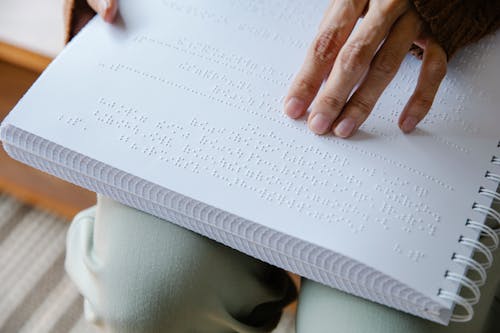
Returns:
(23,182)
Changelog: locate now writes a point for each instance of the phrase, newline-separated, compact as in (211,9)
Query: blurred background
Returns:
(31,35)
(35,293)
(33,25)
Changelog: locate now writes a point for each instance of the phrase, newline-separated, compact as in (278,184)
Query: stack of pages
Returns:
(176,110)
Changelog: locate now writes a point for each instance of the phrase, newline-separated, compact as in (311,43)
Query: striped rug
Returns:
(35,293)
(36,296)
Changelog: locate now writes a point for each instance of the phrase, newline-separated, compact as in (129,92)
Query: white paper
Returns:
(188,95)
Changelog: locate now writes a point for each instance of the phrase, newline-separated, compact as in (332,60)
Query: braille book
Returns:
(176,110)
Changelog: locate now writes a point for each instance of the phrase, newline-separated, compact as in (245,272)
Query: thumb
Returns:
(105,8)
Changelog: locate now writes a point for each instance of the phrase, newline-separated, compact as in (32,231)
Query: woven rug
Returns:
(36,296)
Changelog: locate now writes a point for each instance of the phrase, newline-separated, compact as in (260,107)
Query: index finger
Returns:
(337,25)
(353,61)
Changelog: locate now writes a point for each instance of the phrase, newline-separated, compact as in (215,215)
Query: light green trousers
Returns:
(140,274)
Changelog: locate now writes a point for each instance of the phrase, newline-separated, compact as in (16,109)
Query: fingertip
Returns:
(345,128)
(320,123)
(295,107)
(107,18)
(107,9)
(408,124)
(110,14)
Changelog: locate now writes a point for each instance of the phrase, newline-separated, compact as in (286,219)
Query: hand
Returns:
(107,9)
(343,56)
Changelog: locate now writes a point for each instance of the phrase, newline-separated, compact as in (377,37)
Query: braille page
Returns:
(188,95)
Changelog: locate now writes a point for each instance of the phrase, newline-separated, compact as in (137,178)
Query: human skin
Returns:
(105,8)
(341,59)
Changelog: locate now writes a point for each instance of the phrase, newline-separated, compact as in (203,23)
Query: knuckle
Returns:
(423,101)
(362,105)
(438,68)
(326,45)
(352,57)
(305,86)
(386,64)
(333,102)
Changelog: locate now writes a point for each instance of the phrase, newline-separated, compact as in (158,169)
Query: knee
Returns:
(142,274)
(137,273)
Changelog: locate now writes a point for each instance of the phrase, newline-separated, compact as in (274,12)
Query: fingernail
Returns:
(345,128)
(409,124)
(294,108)
(103,6)
(320,123)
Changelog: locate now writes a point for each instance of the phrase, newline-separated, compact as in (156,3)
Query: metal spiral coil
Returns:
(489,242)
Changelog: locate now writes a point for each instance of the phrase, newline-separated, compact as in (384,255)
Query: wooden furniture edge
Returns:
(64,211)
(23,58)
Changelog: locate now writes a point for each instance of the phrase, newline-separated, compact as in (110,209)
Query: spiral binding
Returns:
(485,232)
(479,247)
(489,193)
(488,243)
(472,264)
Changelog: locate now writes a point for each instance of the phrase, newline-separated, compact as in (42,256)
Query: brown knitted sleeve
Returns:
(76,14)
(456,23)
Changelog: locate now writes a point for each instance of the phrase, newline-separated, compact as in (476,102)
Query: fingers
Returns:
(382,70)
(337,25)
(432,73)
(352,63)
(346,56)
(105,8)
